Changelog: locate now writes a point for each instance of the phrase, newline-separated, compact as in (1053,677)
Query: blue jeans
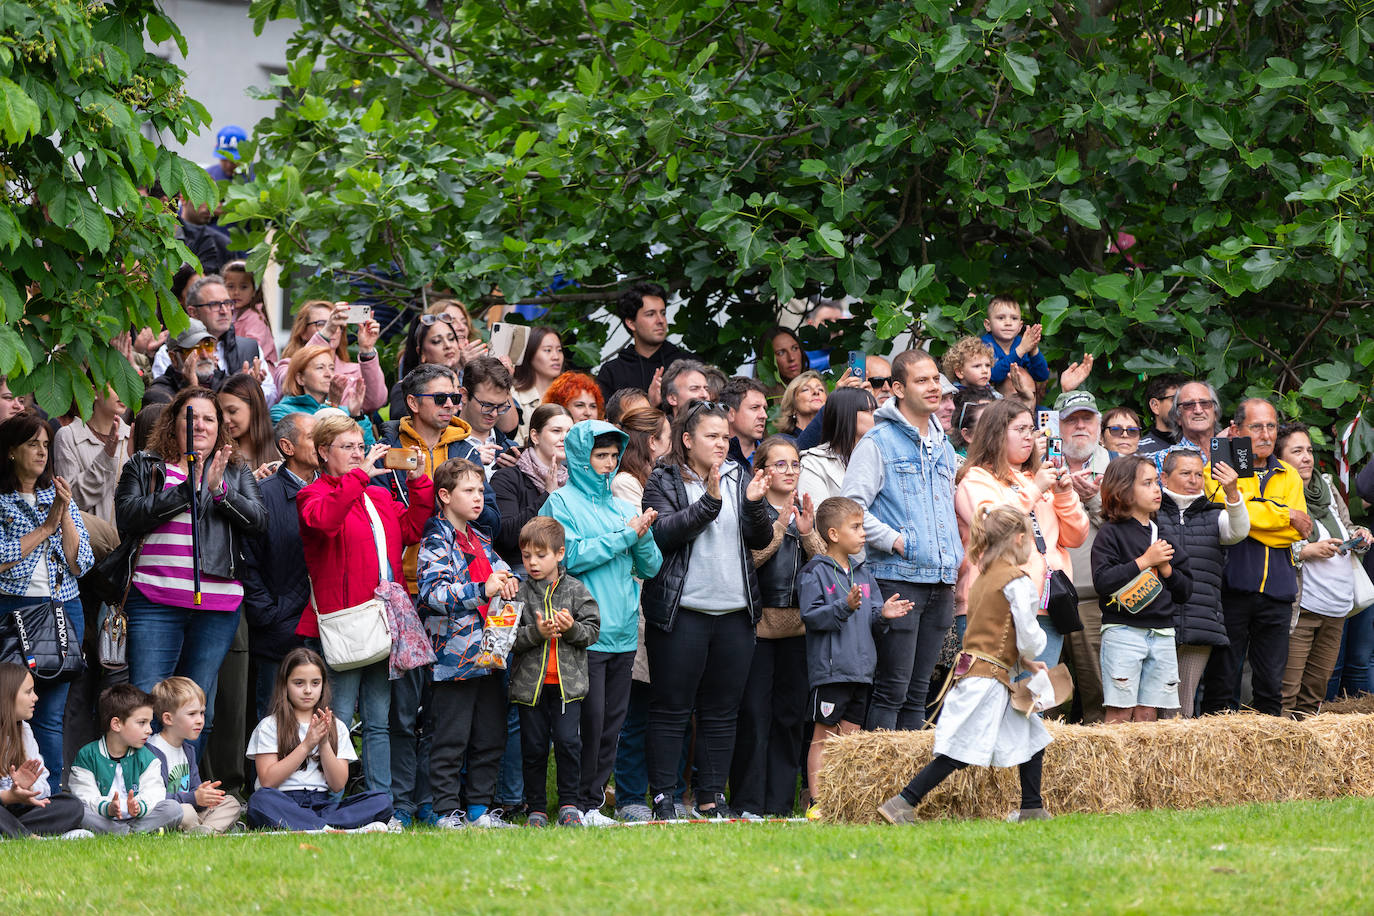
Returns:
(1352,674)
(367,691)
(510,784)
(165,640)
(1054,641)
(52,698)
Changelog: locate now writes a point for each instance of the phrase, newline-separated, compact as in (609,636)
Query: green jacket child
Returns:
(529,657)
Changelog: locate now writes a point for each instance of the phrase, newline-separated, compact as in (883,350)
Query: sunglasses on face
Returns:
(880,381)
(1130,432)
(1195,405)
(204,348)
(443,398)
(698,405)
(430,320)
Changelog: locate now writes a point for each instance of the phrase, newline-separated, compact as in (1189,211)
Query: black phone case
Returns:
(1221,451)
(1242,450)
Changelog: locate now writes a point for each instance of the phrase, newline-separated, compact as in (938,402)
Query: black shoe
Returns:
(721,812)
(663,808)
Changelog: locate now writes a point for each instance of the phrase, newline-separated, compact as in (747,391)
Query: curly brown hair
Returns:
(959,354)
(164,441)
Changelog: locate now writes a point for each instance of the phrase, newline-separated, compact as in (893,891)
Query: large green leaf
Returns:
(19,116)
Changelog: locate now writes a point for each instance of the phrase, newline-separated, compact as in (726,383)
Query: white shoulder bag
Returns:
(357,636)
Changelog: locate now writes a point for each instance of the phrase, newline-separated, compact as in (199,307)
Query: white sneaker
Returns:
(492,819)
(594,818)
(455,821)
(374,827)
(751,816)
(79,833)
(395,826)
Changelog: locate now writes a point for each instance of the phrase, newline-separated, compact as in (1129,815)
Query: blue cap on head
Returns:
(227,141)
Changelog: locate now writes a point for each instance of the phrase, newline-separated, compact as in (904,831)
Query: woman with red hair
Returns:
(579,393)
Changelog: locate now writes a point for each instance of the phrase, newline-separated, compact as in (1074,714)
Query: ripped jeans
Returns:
(1139,668)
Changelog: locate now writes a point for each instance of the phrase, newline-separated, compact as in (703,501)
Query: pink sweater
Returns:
(250,324)
(368,373)
(1063,523)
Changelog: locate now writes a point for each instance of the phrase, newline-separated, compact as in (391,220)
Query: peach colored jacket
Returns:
(1063,523)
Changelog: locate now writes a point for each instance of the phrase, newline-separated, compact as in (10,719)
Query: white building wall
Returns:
(224,58)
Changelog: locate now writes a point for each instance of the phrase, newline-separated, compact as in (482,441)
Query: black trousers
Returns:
(940,768)
(63,812)
(551,718)
(1257,626)
(907,653)
(703,665)
(603,713)
(469,727)
(772,729)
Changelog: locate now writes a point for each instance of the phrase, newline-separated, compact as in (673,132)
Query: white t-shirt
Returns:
(178,766)
(310,775)
(1328,585)
(40,586)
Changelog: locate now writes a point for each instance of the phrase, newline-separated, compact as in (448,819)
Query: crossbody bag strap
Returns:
(379,540)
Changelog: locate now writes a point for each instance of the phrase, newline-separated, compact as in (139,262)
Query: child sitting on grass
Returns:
(117,777)
(301,753)
(1010,346)
(548,670)
(179,705)
(969,363)
(459,575)
(27,806)
(840,606)
(977,725)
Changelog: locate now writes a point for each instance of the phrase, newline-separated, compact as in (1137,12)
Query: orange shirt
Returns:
(551,672)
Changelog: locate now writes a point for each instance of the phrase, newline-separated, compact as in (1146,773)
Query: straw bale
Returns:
(1359,705)
(1174,763)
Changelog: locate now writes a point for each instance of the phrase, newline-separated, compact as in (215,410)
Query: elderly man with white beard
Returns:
(1080,425)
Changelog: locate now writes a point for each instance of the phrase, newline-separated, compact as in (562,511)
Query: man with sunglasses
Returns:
(643,308)
(191,362)
(902,473)
(877,377)
(487,385)
(1160,394)
(207,300)
(1195,418)
(434,398)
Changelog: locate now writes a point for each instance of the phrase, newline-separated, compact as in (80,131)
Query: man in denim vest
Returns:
(902,473)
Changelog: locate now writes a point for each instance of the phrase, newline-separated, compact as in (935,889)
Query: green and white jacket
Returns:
(95,774)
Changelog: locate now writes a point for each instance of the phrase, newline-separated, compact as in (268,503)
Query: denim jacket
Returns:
(18,518)
(906,490)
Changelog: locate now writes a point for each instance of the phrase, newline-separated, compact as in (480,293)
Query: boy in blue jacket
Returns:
(609,547)
(840,606)
(1012,342)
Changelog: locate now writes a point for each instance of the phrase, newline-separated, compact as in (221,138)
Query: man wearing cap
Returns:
(190,361)
(227,154)
(208,302)
(1080,425)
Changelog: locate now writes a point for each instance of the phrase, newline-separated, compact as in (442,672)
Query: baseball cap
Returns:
(1071,402)
(227,141)
(195,333)
(946,386)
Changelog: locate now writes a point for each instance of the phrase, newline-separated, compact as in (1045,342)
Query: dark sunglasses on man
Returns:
(444,398)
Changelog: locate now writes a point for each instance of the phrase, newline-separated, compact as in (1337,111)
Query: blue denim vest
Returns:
(917,499)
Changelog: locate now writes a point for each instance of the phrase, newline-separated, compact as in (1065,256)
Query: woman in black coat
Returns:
(522,488)
(703,604)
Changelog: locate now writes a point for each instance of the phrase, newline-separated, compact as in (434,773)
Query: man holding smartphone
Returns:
(1259,581)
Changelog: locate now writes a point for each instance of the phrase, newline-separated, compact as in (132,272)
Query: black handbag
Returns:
(40,638)
(1061,598)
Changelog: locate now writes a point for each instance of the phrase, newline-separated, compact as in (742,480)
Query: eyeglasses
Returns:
(880,381)
(696,405)
(219,304)
(360,448)
(204,348)
(444,398)
(317,324)
(782,467)
(430,320)
(1263,427)
(1196,405)
(491,409)
(1021,430)
(1130,432)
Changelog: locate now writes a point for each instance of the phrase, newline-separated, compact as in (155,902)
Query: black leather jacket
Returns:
(679,522)
(778,577)
(141,505)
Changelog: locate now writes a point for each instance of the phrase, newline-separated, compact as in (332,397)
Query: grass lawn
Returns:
(1295,857)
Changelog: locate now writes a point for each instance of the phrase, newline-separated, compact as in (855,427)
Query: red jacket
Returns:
(337,535)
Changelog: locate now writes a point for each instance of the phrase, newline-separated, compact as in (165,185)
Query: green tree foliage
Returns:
(83,256)
(1169,186)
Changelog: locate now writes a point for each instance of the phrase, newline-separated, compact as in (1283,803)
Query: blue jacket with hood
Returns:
(602,550)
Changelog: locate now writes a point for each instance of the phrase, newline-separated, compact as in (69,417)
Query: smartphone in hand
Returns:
(1244,454)
(858,365)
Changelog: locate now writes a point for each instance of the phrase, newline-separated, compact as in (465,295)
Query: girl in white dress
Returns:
(978,725)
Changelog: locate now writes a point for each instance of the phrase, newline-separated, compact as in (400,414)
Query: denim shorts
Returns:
(1139,668)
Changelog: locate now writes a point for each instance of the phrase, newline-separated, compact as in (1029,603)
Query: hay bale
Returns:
(1174,763)
(1345,706)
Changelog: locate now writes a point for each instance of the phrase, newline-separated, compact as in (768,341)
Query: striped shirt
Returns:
(163,571)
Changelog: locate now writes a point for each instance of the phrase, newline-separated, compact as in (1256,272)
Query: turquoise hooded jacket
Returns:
(602,550)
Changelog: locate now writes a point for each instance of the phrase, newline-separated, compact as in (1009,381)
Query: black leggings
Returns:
(941,767)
